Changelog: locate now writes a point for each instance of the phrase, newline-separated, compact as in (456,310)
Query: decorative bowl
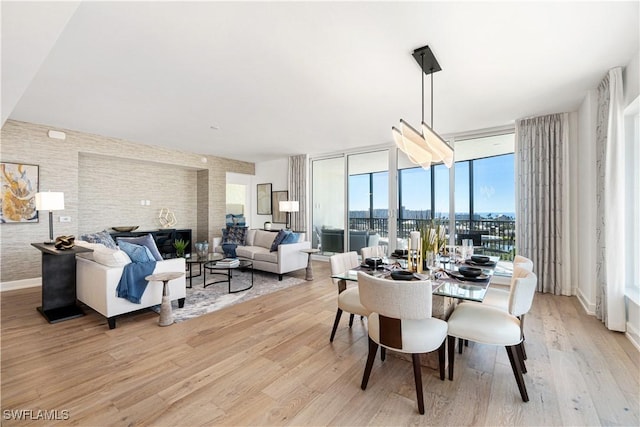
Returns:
(401,275)
(373,262)
(480,259)
(469,271)
(126,229)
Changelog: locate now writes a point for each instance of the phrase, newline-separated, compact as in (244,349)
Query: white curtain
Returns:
(298,190)
(610,202)
(542,210)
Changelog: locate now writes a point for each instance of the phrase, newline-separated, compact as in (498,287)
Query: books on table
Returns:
(228,263)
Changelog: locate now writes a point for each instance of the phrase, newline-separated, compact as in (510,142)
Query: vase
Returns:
(202,249)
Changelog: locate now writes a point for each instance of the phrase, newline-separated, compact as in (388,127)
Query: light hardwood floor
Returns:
(268,361)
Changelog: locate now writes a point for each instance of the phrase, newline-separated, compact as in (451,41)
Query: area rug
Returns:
(201,300)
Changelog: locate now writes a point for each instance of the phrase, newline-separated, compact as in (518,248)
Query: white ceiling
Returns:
(281,79)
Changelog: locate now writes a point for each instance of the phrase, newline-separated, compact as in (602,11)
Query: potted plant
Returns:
(180,246)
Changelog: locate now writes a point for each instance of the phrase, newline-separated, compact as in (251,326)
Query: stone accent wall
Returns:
(103,180)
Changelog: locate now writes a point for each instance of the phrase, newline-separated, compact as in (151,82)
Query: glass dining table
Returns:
(447,281)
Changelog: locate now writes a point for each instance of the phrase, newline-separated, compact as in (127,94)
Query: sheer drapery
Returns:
(298,190)
(542,174)
(610,202)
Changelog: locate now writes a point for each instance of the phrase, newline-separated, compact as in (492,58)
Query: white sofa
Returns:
(287,258)
(96,287)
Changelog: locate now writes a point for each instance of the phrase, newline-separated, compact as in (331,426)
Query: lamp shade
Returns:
(50,201)
(289,206)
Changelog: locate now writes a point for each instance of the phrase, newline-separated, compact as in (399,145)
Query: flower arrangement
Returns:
(434,239)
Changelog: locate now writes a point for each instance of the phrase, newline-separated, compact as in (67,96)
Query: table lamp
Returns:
(289,206)
(50,201)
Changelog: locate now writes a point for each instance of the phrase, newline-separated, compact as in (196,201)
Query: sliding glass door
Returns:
(368,195)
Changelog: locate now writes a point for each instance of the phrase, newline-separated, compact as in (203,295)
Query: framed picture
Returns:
(264,199)
(19,185)
(277,197)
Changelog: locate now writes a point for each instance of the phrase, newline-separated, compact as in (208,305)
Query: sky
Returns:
(494,187)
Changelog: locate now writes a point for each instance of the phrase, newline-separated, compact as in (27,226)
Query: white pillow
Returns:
(250,237)
(110,257)
(92,246)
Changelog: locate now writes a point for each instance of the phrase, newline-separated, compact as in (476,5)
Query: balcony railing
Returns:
(495,237)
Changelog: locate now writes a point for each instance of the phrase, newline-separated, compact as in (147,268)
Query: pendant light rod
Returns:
(431,101)
(422,74)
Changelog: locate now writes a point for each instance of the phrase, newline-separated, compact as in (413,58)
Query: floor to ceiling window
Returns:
(368,193)
(327,198)
(481,185)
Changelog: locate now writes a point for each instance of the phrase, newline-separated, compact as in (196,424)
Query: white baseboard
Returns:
(20,284)
(589,307)
(633,335)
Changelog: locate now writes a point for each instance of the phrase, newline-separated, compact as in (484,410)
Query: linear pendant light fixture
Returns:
(426,146)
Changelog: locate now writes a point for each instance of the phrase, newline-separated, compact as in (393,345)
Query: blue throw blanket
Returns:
(132,283)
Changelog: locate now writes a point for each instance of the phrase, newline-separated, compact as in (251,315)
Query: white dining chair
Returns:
(372,251)
(401,320)
(489,325)
(348,298)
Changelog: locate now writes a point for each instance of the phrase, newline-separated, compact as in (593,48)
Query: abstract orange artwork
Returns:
(18,187)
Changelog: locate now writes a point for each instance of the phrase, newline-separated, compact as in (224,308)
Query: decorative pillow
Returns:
(291,237)
(137,253)
(146,241)
(235,220)
(102,237)
(92,246)
(111,257)
(282,234)
(229,250)
(234,235)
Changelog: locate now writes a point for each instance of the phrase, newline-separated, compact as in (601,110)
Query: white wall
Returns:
(274,172)
(586,189)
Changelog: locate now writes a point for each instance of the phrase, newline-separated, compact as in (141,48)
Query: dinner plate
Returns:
(481,278)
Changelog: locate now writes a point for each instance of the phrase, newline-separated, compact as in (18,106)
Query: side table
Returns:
(59,282)
(166,315)
(309,271)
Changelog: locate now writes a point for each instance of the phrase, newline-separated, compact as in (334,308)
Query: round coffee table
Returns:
(226,271)
(199,261)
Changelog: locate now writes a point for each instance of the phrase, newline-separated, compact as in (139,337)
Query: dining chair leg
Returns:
(373,349)
(383,354)
(460,345)
(520,350)
(451,342)
(351,320)
(335,324)
(417,374)
(515,366)
(524,353)
(441,351)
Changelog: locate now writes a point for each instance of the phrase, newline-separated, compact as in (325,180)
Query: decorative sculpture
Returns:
(167,218)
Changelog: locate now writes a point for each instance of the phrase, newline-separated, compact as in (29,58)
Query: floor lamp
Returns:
(289,206)
(50,201)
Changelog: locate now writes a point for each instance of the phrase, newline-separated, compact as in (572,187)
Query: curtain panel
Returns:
(542,174)
(610,203)
(298,190)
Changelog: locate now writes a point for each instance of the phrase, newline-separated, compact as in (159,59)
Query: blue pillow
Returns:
(229,250)
(291,238)
(146,241)
(282,234)
(137,253)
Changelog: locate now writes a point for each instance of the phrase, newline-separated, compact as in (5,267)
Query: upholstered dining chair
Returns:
(372,251)
(348,298)
(490,325)
(499,298)
(401,320)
